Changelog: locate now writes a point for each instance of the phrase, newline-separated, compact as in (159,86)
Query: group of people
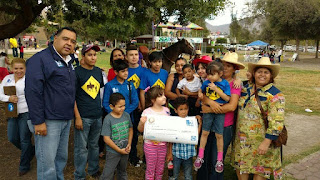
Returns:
(113,107)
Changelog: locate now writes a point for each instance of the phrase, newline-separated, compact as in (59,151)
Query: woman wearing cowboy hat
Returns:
(252,152)
(230,64)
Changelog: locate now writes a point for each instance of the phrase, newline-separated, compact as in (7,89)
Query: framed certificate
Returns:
(171,129)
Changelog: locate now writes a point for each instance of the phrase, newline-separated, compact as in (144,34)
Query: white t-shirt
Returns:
(193,85)
(20,84)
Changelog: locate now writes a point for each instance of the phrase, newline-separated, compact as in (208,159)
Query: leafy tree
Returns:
(19,15)
(291,19)
(234,27)
(139,13)
(221,40)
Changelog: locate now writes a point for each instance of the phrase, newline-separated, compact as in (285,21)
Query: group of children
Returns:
(132,92)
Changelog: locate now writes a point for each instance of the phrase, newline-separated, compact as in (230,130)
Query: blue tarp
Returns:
(258,43)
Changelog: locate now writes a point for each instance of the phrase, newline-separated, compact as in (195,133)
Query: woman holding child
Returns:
(253,152)
(172,82)
(230,64)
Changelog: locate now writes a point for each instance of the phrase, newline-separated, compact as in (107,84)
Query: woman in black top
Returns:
(172,82)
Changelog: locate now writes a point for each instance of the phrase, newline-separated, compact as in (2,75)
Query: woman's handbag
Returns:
(283,136)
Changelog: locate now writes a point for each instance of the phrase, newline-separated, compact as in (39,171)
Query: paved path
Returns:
(303,133)
(305,169)
(26,50)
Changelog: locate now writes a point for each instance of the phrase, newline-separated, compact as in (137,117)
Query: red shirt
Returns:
(3,73)
(111,74)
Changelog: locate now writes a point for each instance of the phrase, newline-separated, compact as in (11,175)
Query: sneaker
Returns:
(139,160)
(135,162)
(198,163)
(219,166)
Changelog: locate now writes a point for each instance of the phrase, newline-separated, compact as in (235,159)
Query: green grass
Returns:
(298,86)
(103,58)
(296,157)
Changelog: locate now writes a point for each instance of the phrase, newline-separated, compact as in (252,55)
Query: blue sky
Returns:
(225,16)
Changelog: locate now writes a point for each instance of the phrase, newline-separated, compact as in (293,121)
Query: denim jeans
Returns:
(20,136)
(52,149)
(227,138)
(207,171)
(15,52)
(135,118)
(187,168)
(86,148)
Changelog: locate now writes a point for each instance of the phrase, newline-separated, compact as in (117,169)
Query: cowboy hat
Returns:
(232,57)
(198,52)
(203,59)
(264,62)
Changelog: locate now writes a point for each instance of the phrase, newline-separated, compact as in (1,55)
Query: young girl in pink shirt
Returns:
(155,151)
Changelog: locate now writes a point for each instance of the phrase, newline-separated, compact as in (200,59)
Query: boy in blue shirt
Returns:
(216,89)
(136,72)
(121,85)
(155,76)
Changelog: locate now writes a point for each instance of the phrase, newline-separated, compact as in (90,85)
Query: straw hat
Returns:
(204,59)
(198,52)
(265,62)
(232,57)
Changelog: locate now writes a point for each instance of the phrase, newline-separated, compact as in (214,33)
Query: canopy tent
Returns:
(170,25)
(194,26)
(258,43)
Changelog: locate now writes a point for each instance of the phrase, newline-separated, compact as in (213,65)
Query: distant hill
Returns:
(253,26)
(222,28)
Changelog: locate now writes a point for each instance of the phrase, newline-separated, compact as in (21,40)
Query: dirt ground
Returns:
(307,62)
(299,127)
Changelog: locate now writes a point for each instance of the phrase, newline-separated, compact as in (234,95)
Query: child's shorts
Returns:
(213,122)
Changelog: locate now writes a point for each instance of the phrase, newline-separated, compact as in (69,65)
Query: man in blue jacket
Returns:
(50,94)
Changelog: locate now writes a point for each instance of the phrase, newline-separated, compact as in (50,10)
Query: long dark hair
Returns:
(111,55)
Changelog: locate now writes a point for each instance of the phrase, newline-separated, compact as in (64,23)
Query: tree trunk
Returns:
(6,45)
(25,15)
(153,29)
(317,47)
(282,44)
(297,48)
(306,46)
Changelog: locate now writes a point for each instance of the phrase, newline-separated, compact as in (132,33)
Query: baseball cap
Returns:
(89,47)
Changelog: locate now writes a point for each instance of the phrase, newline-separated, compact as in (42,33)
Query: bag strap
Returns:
(129,85)
(264,114)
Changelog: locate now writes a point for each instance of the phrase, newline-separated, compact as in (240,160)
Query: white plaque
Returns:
(171,129)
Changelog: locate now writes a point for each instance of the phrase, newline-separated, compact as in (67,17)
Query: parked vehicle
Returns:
(311,49)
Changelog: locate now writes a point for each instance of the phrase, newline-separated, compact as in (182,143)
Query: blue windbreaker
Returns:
(50,87)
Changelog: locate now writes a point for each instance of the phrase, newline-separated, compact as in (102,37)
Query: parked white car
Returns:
(311,49)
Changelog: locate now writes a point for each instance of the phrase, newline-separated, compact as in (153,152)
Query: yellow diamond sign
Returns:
(91,87)
(159,83)
(136,80)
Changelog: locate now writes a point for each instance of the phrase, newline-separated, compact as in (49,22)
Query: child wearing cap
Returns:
(88,114)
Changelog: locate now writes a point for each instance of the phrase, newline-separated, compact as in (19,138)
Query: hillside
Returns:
(222,28)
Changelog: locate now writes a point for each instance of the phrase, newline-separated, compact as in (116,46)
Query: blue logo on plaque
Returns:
(10,107)
(189,122)
(193,138)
